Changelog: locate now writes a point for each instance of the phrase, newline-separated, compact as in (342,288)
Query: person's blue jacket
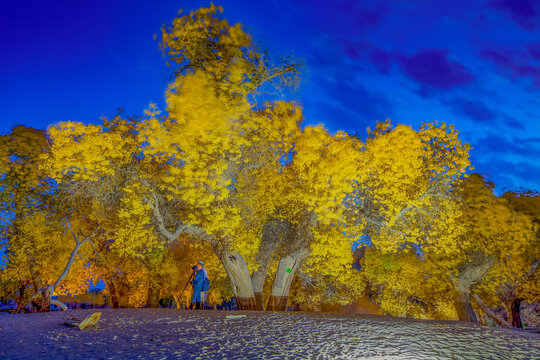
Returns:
(197,286)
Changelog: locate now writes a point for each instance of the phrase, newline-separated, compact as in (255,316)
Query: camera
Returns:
(194,267)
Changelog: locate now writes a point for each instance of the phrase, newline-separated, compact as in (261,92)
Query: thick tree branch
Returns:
(490,312)
(181,228)
(61,305)
(158,216)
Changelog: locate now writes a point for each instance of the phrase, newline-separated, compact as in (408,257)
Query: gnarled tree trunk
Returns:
(279,298)
(240,279)
(462,303)
(471,273)
(273,232)
(41,301)
(512,306)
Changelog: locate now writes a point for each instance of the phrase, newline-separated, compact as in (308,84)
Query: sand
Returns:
(176,334)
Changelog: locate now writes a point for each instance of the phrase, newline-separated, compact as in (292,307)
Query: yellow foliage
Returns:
(217,165)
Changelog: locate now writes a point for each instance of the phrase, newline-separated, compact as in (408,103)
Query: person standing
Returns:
(201,285)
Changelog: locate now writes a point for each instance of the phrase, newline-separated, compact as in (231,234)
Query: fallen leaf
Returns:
(90,321)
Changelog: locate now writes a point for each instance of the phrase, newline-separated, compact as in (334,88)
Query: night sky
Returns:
(474,63)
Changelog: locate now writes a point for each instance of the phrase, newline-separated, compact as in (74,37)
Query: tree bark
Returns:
(465,311)
(287,267)
(273,232)
(257,281)
(241,285)
(259,301)
(471,273)
(515,315)
(512,307)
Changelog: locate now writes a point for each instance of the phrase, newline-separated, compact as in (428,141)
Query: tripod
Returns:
(190,276)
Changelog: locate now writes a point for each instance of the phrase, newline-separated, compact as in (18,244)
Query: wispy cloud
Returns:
(433,68)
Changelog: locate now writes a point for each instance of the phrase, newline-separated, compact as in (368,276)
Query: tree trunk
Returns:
(152,300)
(462,302)
(114,297)
(515,315)
(241,285)
(471,273)
(259,301)
(257,281)
(287,267)
(21,296)
(41,301)
(273,231)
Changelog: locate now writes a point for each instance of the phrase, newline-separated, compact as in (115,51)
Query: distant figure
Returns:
(201,285)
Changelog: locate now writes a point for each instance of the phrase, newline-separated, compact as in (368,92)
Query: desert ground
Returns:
(178,334)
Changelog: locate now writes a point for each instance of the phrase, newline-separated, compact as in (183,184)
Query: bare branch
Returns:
(76,238)
(98,255)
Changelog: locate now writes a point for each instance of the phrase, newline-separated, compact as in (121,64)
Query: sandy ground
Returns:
(175,334)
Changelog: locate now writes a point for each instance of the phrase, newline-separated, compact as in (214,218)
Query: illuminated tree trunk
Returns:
(272,232)
(241,285)
(287,267)
(462,302)
(257,280)
(470,275)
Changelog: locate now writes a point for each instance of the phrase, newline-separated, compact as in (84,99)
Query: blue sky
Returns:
(474,63)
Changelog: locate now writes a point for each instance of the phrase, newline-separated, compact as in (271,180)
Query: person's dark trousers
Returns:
(197,305)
